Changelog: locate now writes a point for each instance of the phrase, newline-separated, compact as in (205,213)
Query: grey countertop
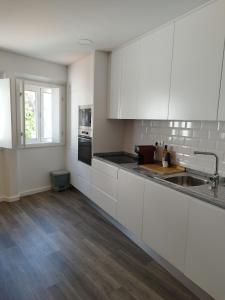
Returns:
(203,192)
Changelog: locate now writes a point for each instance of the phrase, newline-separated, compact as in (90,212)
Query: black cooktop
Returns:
(118,158)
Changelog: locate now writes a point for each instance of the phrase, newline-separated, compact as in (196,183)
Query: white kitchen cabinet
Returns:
(221,110)
(205,253)
(81,175)
(197,63)
(104,186)
(155,72)
(115,85)
(129,81)
(130,201)
(81,184)
(165,222)
(5,114)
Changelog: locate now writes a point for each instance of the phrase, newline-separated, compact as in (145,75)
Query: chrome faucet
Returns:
(215,178)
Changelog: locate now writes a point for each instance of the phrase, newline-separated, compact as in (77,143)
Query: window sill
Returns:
(43,145)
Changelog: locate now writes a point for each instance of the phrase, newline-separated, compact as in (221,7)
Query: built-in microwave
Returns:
(85,120)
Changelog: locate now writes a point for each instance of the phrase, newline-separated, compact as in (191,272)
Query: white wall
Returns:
(35,172)
(16,179)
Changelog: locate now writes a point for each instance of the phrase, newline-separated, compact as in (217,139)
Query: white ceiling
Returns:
(50,29)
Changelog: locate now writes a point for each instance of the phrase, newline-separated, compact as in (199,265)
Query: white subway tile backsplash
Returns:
(186,150)
(178,140)
(209,125)
(183,138)
(176,124)
(222,135)
(221,126)
(193,125)
(220,145)
(200,133)
(157,123)
(174,131)
(207,145)
(186,133)
(214,134)
(191,142)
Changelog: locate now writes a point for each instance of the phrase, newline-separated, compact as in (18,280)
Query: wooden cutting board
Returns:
(158,168)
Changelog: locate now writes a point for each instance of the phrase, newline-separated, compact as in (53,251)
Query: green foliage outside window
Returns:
(30,120)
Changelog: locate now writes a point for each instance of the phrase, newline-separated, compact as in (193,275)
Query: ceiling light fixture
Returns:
(85,42)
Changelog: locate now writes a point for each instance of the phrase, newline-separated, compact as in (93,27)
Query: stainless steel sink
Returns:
(186,180)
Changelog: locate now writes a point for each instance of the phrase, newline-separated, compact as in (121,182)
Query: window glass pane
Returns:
(31,128)
(56,115)
(41,114)
(47,116)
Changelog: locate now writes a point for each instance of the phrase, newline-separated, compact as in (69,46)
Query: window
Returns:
(5,114)
(41,113)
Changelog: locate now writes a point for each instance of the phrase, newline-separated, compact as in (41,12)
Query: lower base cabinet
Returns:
(104,186)
(165,217)
(205,252)
(103,200)
(187,232)
(130,201)
(81,178)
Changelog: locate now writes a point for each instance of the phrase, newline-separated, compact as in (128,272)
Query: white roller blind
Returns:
(5,114)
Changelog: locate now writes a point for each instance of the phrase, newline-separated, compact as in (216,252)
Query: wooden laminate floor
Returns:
(55,246)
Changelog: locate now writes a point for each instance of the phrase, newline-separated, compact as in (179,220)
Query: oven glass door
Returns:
(85,117)
(85,149)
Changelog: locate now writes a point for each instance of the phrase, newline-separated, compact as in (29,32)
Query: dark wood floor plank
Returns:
(55,246)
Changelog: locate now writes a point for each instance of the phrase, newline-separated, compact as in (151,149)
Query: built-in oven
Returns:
(85,149)
(85,134)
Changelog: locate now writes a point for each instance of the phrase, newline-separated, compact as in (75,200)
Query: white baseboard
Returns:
(35,191)
(9,198)
(13,198)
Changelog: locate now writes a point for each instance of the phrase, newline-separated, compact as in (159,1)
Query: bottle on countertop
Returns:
(156,154)
(166,157)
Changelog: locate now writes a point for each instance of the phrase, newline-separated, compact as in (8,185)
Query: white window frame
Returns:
(21,139)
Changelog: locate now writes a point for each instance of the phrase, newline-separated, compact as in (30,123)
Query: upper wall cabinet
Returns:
(115,82)
(197,61)
(155,71)
(221,111)
(129,81)
(5,114)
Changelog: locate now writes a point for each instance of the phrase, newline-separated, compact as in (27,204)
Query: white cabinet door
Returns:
(155,72)
(130,201)
(205,254)
(5,114)
(129,82)
(165,222)
(103,200)
(105,168)
(104,186)
(197,62)
(221,110)
(115,85)
(80,175)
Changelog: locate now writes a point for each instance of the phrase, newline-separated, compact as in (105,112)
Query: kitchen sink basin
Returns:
(186,180)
